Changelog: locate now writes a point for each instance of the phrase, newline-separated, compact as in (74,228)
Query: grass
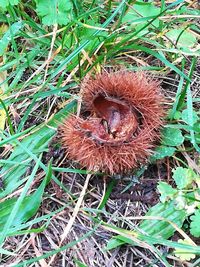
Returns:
(52,212)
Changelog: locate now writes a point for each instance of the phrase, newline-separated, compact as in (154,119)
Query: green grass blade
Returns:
(32,145)
(85,43)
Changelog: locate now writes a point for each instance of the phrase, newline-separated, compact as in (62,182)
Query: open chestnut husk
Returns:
(119,124)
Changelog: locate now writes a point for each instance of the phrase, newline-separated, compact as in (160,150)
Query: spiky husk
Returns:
(138,91)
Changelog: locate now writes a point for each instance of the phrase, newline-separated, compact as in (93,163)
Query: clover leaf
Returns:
(54,11)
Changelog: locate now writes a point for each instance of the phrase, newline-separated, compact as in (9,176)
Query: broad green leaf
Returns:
(139,14)
(7,37)
(162,152)
(172,137)
(183,177)
(186,119)
(167,191)
(54,11)
(183,38)
(195,224)
(162,228)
